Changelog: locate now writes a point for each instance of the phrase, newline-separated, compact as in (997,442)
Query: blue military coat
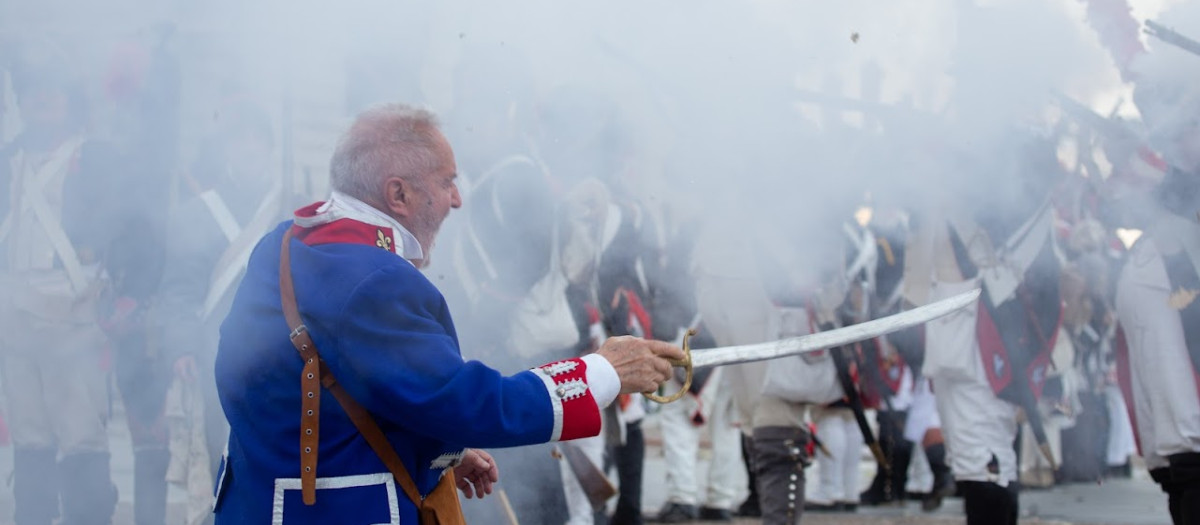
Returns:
(386,334)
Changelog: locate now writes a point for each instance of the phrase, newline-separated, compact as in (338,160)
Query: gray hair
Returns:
(388,140)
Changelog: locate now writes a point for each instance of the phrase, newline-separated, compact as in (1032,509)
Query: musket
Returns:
(592,479)
(506,506)
(1125,142)
(1025,390)
(841,363)
(817,442)
(871,351)
(1172,37)
(730,355)
(1111,129)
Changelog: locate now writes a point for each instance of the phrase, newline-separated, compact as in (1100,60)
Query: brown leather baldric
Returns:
(310,378)
(441,507)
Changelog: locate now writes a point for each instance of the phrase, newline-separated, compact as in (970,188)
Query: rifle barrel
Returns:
(1172,37)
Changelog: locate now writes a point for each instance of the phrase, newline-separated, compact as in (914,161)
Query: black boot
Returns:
(35,486)
(779,461)
(875,494)
(988,503)
(1162,476)
(901,458)
(676,513)
(750,508)
(888,484)
(150,486)
(899,452)
(1185,480)
(943,479)
(88,494)
(629,459)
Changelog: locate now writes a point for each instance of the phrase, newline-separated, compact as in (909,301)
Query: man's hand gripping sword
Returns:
(730,355)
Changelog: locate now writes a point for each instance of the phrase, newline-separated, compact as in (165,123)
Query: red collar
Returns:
(344,231)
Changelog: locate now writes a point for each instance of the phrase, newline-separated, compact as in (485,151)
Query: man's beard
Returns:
(427,250)
(428,240)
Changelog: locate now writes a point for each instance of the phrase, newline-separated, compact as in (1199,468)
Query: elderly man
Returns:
(383,337)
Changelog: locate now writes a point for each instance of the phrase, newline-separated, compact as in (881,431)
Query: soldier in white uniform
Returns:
(837,427)
(1157,296)
(978,358)
(61,227)
(805,287)
(735,309)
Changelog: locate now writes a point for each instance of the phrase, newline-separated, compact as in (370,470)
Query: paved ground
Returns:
(1124,502)
(122,471)
(1134,501)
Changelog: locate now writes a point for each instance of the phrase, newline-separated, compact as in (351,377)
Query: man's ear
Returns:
(397,196)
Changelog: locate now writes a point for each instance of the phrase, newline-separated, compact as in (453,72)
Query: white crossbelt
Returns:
(1002,264)
(241,241)
(32,198)
(220,213)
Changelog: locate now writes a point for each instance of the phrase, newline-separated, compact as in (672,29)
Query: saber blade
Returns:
(730,355)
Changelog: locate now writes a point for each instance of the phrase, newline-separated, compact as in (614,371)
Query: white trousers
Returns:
(979,428)
(922,413)
(681,447)
(56,390)
(1121,444)
(837,473)
(579,507)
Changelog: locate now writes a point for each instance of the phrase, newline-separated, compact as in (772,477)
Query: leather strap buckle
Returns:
(297,332)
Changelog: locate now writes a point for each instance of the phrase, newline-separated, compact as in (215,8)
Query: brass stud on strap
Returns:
(307,450)
(310,394)
(308,431)
(310,412)
(308,469)
(310,376)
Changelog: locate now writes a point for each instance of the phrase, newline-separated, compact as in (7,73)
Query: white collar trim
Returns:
(343,206)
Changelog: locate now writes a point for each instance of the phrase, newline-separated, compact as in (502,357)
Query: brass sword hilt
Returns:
(686,364)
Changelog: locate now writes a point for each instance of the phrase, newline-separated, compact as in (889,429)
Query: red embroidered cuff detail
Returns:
(579,416)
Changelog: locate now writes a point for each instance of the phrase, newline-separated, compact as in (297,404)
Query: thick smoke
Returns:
(773,118)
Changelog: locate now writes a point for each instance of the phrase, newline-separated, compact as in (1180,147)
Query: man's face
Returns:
(436,194)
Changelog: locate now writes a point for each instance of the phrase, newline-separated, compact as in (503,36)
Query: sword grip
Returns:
(686,364)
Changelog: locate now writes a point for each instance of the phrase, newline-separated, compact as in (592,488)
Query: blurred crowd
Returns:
(126,228)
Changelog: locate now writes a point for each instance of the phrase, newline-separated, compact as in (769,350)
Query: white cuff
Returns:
(602,379)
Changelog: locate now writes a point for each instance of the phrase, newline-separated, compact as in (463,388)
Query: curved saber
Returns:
(729,355)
